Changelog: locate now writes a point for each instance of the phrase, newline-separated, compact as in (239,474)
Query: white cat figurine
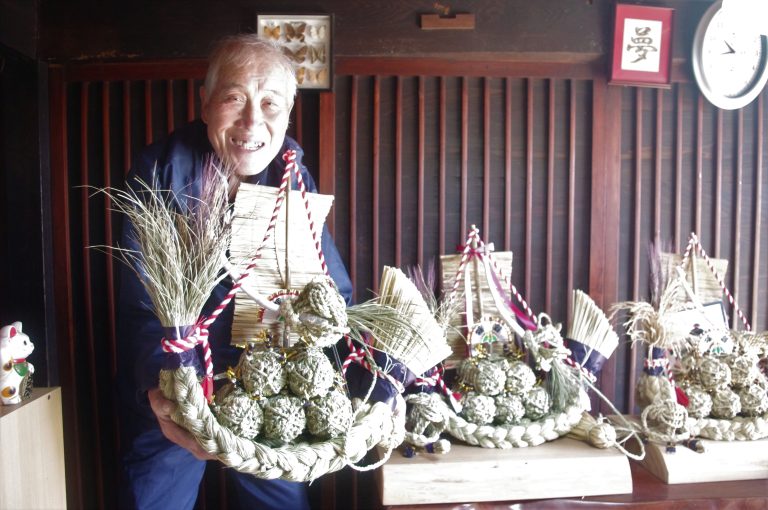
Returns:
(15,346)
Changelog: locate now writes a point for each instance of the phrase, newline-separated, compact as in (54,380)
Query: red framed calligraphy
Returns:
(642,46)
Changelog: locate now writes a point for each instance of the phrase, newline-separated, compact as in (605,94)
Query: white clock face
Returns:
(732,57)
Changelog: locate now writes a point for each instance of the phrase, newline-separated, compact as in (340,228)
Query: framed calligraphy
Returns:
(642,46)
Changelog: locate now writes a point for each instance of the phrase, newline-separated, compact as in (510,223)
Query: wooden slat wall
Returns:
(572,175)
(510,155)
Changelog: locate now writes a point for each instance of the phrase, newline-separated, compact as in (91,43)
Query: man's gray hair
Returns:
(245,49)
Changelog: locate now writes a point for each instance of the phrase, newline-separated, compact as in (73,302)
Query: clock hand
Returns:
(730,49)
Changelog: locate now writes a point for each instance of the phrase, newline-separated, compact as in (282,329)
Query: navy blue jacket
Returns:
(178,165)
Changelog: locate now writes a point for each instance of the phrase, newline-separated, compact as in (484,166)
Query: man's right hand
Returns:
(162,407)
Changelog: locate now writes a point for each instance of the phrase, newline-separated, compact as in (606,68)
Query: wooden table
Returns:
(649,493)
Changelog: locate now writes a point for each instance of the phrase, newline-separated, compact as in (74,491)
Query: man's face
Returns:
(247,116)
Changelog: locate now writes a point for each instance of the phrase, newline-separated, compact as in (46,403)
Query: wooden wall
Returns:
(512,127)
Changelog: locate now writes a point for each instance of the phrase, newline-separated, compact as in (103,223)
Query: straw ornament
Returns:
(330,415)
(427,418)
(754,400)
(477,408)
(262,373)
(510,409)
(726,404)
(520,378)
(714,373)
(699,402)
(284,418)
(310,373)
(239,412)
(183,243)
(484,375)
(744,369)
(537,403)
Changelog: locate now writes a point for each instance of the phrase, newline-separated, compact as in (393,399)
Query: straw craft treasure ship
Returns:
(701,379)
(501,402)
(284,411)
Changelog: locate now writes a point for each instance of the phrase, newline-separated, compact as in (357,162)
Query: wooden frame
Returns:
(306,39)
(642,46)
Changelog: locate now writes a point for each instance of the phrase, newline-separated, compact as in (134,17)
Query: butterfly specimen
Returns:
(272,31)
(305,75)
(318,76)
(317,53)
(297,56)
(317,31)
(295,31)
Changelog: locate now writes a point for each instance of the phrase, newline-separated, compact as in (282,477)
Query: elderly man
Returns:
(246,102)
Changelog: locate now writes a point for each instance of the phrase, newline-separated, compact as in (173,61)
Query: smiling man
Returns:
(246,103)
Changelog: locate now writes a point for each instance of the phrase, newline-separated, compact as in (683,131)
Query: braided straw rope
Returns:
(301,462)
(548,428)
(738,429)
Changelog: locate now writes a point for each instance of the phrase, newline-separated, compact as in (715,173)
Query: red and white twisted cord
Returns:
(694,242)
(199,335)
(359,355)
(434,379)
(467,252)
(510,285)
(290,159)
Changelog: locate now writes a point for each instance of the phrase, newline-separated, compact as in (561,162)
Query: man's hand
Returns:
(162,408)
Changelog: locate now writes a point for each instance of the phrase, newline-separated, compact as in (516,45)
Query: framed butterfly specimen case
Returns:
(306,39)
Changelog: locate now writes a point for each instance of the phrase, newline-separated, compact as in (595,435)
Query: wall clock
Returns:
(730,62)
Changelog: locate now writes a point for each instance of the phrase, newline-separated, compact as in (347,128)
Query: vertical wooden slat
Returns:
(464,153)
(756,258)
(605,203)
(699,163)
(298,119)
(529,115)
(353,111)
(737,214)
(551,120)
(638,193)
(718,198)
(376,169)
(657,164)
(571,192)
(326,138)
(420,170)
(148,134)
(443,169)
(191,114)
(508,164)
(62,272)
(106,137)
(126,126)
(169,105)
(90,337)
(398,171)
(679,113)
(486,157)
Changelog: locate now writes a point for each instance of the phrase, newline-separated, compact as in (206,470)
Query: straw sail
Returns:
(253,218)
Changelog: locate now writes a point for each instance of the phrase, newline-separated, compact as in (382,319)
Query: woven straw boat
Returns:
(726,396)
(372,424)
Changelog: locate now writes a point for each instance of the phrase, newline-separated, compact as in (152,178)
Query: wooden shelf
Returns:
(32,452)
(560,468)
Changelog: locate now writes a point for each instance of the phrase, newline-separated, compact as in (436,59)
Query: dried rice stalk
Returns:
(182,241)
(655,327)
